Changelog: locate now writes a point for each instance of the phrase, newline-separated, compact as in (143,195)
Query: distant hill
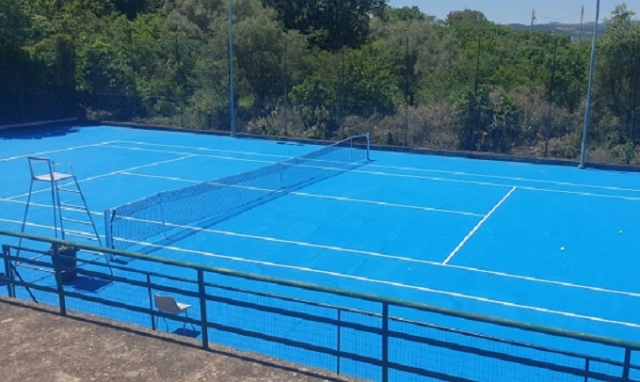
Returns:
(572,30)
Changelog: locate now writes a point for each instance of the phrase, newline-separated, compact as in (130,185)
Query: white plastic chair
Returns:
(167,304)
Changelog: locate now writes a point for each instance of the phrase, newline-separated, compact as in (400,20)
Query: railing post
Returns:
(153,316)
(385,342)
(338,347)
(56,268)
(626,370)
(203,310)
(586,369)
(11,288)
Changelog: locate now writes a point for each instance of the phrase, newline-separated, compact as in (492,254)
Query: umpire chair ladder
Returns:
(74,204)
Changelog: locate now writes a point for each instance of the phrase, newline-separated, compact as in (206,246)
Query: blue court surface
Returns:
(549,245)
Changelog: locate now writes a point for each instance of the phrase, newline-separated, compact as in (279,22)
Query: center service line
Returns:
(473,231)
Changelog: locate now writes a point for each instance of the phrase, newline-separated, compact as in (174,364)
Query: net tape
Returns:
(162,219)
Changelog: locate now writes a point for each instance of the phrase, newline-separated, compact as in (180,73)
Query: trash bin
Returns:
(67,257)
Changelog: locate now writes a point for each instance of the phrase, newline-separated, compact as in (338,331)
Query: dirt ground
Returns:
(39,345)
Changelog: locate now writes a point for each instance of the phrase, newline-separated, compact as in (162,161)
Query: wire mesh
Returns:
(386,341)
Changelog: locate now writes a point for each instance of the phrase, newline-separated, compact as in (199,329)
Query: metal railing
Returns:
(349,333)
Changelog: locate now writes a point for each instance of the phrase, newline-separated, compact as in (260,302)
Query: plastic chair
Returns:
(167,304)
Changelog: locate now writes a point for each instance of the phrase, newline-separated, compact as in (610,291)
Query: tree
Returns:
(330,24)
(14,62)
(404,14)
(619,74)
(465,15)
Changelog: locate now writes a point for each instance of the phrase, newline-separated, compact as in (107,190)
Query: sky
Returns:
(519,11)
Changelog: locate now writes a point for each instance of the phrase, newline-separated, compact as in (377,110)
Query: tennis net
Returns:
(170,216)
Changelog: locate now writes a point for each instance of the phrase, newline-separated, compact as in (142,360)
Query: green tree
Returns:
(619,74)
(330,24)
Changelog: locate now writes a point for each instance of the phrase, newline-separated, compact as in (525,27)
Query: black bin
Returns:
(67,257)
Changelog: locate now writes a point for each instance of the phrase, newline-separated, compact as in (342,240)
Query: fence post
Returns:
(338,347)
(627,364)
(203,310)
(153,316)
(56,268)
(586,369)
(6,252)
(385,342)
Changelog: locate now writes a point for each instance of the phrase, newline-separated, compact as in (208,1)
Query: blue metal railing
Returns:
(362,335)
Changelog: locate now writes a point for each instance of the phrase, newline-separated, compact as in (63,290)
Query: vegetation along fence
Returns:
(291,68)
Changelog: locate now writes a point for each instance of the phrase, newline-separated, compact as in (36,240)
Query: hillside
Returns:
(570,30)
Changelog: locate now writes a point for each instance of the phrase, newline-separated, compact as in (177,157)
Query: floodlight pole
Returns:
(587,113)
(232,95)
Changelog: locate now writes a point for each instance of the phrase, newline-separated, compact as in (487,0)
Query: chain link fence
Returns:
(420,84)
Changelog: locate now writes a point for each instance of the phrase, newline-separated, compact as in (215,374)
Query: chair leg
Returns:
(166,323)
(185,324)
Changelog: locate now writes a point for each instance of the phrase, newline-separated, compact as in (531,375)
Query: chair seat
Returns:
(183,306)
(57,176)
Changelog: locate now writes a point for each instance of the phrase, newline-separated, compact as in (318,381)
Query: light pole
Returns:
(232,95)
(587,113)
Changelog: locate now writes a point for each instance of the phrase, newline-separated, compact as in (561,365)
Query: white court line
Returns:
(460,173)
(396,284)
(195,155)
(589,194)
(24,202)
(518,179)
(318,196)
(480,223)
(206,149)
(106,175)
(29,224)
(237,159)
(365,253)
(56,151)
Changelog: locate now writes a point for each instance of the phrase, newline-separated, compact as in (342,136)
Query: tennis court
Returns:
(546,245)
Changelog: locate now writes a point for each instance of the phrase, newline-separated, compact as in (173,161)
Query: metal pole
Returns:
(406,94)
(385,342)
(286,84)
(232,95)
(203,309)
(587,112)
(553,72)
(474,114)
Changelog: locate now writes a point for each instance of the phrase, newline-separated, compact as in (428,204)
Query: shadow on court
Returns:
(38,133)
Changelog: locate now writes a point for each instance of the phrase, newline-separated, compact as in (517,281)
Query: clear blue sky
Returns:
(519,11)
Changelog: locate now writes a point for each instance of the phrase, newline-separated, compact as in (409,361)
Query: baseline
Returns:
(7,159)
